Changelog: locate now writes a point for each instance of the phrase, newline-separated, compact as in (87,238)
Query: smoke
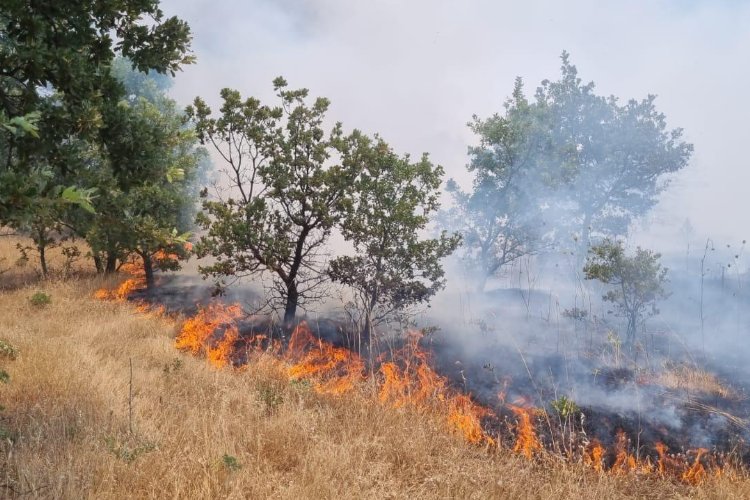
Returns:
(416,72)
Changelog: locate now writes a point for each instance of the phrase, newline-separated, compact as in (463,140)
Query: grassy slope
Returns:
(65,425)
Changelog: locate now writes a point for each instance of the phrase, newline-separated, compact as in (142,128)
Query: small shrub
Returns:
(270,396)
(126,453)
(230,462)
(575,314)
(172,367)
(40,299)
(7,351)
(4,377)
(565,407)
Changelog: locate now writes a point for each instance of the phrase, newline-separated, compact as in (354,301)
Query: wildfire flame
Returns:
(409,380)
(595,456)
(197,333)
(336,369)
(527,441)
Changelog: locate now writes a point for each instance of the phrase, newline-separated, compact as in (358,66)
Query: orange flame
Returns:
(419,386)
(696,473)
(527,442)
(197,332)
(595,456)
(338,370)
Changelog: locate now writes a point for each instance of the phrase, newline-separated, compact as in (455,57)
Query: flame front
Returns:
(337,370)
(196,335)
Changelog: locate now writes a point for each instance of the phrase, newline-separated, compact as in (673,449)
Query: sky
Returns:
(415,71)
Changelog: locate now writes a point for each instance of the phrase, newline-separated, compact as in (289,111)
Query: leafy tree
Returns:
(146,174)
(613,159)
(567,163)
(393,267)
(283,193)
(638,281)
(498,219)
(65,49)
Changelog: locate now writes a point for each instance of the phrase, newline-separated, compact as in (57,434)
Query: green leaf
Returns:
(80,197)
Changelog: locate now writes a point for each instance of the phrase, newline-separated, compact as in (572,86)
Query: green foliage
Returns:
(637,281)
(126,452)
(230,462)
(569,163)
(147,173)
(393,267)
(4,377)
(286,192)
(565,407)
(7,350)
(56,90)
(498,220)
(270,395)
(40,299)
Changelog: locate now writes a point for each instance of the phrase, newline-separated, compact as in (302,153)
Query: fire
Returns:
(409,380)
(624,461)
(465,416)
(406,379)
(337,370)
(527,442)
(696,473)
(595,456)
(197,332)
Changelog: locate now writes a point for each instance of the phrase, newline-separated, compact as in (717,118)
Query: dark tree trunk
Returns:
(111,266)
(292,296)
(148,268)
(43,258)
(99,264)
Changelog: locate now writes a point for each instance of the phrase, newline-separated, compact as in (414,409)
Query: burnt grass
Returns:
(535,371)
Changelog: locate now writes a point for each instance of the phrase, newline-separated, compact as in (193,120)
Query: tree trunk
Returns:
(43,259)
(632,322)
(292,296)
(148,268)
(99,264)
(482,282)
(111,266)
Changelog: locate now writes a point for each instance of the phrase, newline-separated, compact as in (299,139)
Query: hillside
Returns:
(201,432)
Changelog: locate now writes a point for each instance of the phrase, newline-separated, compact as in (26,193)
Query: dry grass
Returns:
(694,380)
(199,432)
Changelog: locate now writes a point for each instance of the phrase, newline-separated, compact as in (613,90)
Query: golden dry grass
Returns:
(693,379)
(199,432)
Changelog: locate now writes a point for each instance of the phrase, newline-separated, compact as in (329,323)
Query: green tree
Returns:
(566,164)
(498,219)
(393,266)
(282,194)
(637,281)
(66,48)
(613,159)
(145,175)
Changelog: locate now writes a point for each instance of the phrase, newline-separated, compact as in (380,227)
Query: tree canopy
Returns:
(393,266)
(283,192)
(555,170)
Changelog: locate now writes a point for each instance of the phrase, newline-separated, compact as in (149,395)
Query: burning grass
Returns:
(406,379)
(271,427)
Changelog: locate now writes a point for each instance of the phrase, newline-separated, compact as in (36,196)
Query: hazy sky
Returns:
(417,70)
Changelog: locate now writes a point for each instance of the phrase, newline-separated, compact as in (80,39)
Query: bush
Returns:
(40,299)
(7,350)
